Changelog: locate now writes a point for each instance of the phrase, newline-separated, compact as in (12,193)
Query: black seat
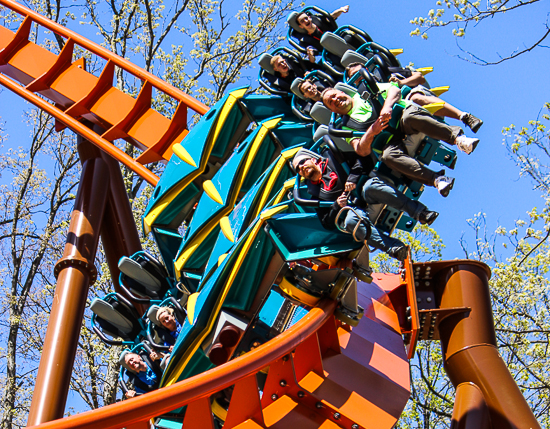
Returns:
(143,275)
(114,316)
(157,334)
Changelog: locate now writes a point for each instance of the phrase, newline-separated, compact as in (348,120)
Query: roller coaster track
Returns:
(79,95)
(317,377)
(320,373)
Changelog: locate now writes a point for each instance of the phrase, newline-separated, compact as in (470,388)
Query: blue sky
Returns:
(513,92)
(487,180)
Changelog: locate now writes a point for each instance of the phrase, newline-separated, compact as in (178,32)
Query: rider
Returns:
(361,115)
(327,181)
(421,95)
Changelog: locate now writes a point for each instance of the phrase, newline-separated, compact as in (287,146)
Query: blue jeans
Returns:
(377,239)
(376,191)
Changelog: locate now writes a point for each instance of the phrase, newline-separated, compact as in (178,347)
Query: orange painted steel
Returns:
(79,95)
(321,374)
(102,52)
(83,131)
(189,391)
(75,272)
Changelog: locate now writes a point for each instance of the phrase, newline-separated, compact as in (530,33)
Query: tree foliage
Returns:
(462,15)
(199,46)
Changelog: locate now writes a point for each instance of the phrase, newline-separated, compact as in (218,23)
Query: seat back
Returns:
(348,89)
(320,113)
(351,57)
(340,143)
(116,317)
(291,20)
(335,44)
(265,63)
(295,88)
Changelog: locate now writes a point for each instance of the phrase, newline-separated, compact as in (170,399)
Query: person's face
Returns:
(308,169)
(167,320)
(354,70)
(134,361)
(281,65)
(304,21)
(310,90)
(337,101)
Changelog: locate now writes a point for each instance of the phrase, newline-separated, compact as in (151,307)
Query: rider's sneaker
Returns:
(444,185)
(466,144)
(471,121)
(400,253)
(427,217)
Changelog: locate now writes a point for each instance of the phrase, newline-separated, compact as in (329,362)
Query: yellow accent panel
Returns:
(396,51)
(221,259)
(191,301)
(298,294)
(211,191)
(281,162)
(184,360)
(219,411)
(329,260)
(439,90)
(289,184)
(252,151)
(226,228)
(433,107)
(163,202)
(182,154)
(425,70)
(272,212)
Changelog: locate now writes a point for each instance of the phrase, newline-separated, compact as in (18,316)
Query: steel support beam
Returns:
(75,272)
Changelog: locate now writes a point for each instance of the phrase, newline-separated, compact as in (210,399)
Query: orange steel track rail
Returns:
(195,391)
(79,95)
(322,374)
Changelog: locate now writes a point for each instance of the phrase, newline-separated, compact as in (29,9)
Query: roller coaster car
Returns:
(301,105)
(158,335)
(114,316)
(143,275)
(127,377)
(336,44)
(232,180)
(268,78)
(377,65)
(297,37)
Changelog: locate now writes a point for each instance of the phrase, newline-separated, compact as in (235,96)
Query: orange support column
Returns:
(75,271)
(469,344)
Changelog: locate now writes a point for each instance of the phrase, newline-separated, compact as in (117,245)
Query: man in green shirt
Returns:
(361,115)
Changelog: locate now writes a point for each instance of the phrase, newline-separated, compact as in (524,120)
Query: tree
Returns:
(200,46)
(467,14)
(33,213)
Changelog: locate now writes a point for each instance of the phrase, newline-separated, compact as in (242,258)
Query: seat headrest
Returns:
(340,143)
(320,113)
(107,312)
(350,90)
(295,88)
(152,315)
(335,44)
(135,271)
(351,57)
(265,63)
(322,130)
(292,20)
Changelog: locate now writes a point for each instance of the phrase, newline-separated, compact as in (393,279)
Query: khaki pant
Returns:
(414,121)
